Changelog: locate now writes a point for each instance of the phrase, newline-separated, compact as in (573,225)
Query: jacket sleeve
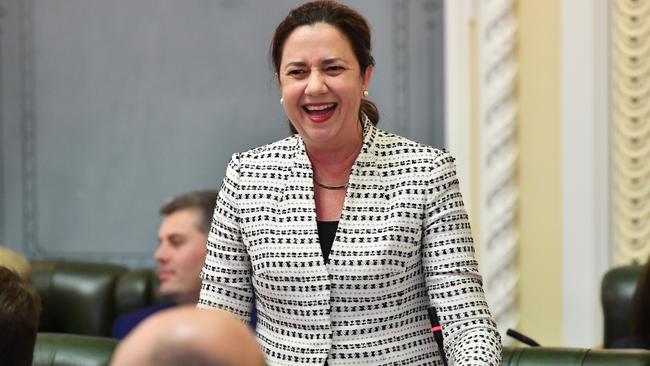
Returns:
(227,271)
(454,284)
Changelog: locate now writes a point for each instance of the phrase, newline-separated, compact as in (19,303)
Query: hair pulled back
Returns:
(347,20)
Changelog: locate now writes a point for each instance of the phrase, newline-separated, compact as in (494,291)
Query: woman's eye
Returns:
(295,72)
(335,68)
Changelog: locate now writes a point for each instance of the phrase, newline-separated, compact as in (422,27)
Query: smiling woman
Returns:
(345,236)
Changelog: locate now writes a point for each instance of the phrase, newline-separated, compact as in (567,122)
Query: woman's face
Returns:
(322,85)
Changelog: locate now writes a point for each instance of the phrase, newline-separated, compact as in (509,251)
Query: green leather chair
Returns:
(58,349)
(617,293)
(85,298)
(550,356)
(77,297)
(137,289)
(75,350)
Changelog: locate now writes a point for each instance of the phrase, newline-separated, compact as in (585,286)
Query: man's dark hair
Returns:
(204,201)
(20,309)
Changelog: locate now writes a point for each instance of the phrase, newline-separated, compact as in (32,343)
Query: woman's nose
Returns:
(316,84)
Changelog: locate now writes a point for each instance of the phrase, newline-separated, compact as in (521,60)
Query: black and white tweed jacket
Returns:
(403,244)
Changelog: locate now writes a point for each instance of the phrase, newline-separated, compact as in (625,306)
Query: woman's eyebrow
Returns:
(327,61)
(295,63)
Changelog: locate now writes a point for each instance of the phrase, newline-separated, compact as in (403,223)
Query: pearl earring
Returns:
(282,101)
(365,94)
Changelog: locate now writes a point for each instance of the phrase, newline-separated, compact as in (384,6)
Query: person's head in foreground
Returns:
(182,235)
(188,336)
(20,309)
(14,261)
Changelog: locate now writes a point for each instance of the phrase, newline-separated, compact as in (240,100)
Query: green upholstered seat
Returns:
(78,297)
(617,293)
(85,298)
(59,349)
(75,350)
(550,356)
(137,289)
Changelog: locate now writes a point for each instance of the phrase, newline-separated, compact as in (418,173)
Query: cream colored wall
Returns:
(540,206)
(540,209)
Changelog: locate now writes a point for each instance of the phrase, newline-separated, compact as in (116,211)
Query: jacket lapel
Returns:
(298,190)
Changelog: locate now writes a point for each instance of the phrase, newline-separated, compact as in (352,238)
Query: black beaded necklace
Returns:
(333,188)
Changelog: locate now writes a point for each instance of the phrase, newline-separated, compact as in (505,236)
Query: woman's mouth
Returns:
(320,112)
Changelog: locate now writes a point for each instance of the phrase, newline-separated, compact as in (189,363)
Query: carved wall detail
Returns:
(402,64)
(498,154)
(2,153)
(58,209)
(32,244)
(631,114)
(28,126)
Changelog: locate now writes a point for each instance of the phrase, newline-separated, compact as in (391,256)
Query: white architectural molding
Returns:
(458,124)
(497,152)
(585,167)
(498,191)
(631,148)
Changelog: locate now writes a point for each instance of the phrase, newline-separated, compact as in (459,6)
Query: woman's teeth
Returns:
(319,108)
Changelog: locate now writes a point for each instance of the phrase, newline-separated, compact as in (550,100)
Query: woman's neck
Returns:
(333,165)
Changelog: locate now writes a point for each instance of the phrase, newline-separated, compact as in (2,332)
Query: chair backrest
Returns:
(77,297)
(617,294)
(55,349)
(137,289)
(58,349)
(85,298)
(537,356)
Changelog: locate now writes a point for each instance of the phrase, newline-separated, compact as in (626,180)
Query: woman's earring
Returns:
(365,94)
(282,101)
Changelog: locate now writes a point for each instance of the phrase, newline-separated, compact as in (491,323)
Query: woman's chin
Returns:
(317,138)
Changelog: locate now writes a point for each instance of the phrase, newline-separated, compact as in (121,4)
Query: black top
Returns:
(326,233)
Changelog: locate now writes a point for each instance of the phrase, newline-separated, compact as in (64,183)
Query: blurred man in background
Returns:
(182,238)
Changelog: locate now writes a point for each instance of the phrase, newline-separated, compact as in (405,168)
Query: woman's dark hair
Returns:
(347,20)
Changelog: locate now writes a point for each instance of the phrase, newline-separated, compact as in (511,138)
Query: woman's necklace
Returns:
(333,188)
(342,186)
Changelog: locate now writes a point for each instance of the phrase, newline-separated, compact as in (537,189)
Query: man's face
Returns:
(181,255)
